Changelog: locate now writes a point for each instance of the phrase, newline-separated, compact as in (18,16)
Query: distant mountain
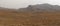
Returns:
(2,9)
(41,7)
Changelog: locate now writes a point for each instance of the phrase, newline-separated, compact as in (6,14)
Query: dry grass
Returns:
(29,19)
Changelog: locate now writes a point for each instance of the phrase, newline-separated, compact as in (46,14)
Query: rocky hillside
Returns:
(41,7)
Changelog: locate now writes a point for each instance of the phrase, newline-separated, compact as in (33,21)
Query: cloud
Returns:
(25,3)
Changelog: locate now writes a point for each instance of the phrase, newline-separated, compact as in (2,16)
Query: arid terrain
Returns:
(31,18)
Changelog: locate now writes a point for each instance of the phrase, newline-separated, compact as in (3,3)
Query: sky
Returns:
(24,3)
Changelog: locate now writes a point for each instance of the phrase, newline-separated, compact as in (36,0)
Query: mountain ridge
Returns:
(41,7)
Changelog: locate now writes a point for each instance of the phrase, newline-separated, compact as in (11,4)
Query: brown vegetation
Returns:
(29,19)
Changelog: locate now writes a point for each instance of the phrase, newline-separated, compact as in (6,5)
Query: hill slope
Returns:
(23,18)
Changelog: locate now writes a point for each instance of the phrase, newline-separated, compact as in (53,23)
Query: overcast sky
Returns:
(25,3)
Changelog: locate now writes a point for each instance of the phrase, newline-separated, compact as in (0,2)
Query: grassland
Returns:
(10,18)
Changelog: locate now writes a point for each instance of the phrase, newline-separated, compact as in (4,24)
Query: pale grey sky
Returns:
(25,3)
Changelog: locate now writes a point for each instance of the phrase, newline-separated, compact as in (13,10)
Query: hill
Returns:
(30,16)
(41,8)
